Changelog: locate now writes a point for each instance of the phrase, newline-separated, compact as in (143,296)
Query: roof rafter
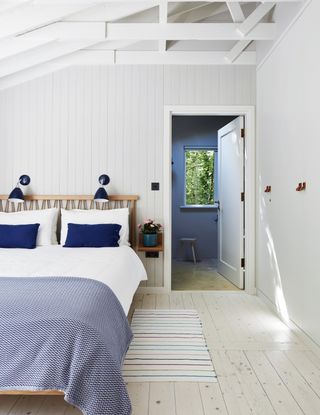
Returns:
(238,17)
(255,17)
(57,33)
(246,26)
(236,12)
(14,46)
(31,15)
(40,55)
(237,50)
(94,31)
(112,12)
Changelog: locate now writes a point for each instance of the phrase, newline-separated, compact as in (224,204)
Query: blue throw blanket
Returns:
(64,333)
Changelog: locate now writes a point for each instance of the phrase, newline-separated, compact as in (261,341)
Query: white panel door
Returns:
(231,185)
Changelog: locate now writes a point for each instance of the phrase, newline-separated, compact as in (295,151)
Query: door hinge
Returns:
(243,262)
(242,133)
(242,196)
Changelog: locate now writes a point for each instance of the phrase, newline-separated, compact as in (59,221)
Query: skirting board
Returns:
(163,290)
(152,290)
(296,329)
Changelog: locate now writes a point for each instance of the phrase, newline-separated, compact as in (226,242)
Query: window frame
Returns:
(195,148)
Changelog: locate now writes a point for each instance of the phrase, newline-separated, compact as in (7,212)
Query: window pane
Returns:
(199,177)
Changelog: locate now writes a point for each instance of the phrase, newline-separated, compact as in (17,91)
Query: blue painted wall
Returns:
(193,223)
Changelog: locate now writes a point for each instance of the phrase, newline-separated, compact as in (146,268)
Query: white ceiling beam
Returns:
(150,31)
(238,17)
(99,57)
(186,31)
(112,45)
(94,31)
(179,58)
(255,17)
(39,56)
(196,13)
(236,12)
(236,51)
(84,57)
(30,16)
(14,46)
(49,67)
(110,12)
(163,19)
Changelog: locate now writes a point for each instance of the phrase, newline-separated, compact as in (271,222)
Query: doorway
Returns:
(179,253)
(195,203)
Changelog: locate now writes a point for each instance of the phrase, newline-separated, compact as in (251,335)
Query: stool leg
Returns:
(197,252)
(193,254)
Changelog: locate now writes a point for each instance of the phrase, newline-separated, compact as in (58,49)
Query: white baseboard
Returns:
(152,290)
(315,347)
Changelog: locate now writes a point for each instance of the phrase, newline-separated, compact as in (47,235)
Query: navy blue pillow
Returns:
(19,236)
(92,236)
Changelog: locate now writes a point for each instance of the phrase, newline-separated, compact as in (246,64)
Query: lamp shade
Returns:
(104,179)
(24,180)
(101,195)
(16,196)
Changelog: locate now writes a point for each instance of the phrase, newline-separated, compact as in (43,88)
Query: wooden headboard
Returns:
(39,202)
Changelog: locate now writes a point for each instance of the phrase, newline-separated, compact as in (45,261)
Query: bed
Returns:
(89,273)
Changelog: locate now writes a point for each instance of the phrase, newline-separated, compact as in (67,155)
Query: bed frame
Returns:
(39,202)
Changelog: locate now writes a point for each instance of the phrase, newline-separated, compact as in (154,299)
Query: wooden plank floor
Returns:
(262,366)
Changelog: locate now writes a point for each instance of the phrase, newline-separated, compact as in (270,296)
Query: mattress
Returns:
(119,268)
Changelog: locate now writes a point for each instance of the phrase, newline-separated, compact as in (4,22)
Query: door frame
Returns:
(249,179)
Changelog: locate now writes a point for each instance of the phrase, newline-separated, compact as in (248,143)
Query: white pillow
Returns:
(47,233)
(94,217)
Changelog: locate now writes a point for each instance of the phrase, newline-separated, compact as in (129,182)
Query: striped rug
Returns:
(169,346)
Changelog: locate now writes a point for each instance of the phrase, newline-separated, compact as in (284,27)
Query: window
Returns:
(199,176)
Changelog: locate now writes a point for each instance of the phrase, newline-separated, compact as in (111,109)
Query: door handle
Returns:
(217,202)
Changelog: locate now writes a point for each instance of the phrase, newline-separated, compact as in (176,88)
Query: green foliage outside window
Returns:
(199,170)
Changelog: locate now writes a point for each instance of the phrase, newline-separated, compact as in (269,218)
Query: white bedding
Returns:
(120,268)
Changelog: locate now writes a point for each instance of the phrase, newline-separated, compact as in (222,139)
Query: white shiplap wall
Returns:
(288,225)
(66,128)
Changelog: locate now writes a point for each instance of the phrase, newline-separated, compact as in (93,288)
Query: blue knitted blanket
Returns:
(64,333)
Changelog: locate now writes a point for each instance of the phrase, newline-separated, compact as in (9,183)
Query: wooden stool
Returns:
(192,242)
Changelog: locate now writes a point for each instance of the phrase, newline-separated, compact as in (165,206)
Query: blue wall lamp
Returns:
(101,195)
(16,196)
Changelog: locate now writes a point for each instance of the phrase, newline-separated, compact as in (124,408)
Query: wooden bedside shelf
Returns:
(158,248)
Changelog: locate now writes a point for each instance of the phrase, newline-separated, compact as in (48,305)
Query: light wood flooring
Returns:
(202,276)
(263,367)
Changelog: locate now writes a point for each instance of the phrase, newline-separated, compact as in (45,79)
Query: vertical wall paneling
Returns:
(66,128)
(288,150)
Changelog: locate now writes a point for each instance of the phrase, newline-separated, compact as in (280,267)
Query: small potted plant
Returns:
(150,231)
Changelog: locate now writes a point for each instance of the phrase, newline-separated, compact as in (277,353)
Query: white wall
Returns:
(283,14)
(288,227)
(66,128)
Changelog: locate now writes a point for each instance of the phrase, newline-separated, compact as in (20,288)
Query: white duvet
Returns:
(120,268)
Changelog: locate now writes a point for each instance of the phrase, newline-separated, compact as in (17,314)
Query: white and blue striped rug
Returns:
(168,346)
